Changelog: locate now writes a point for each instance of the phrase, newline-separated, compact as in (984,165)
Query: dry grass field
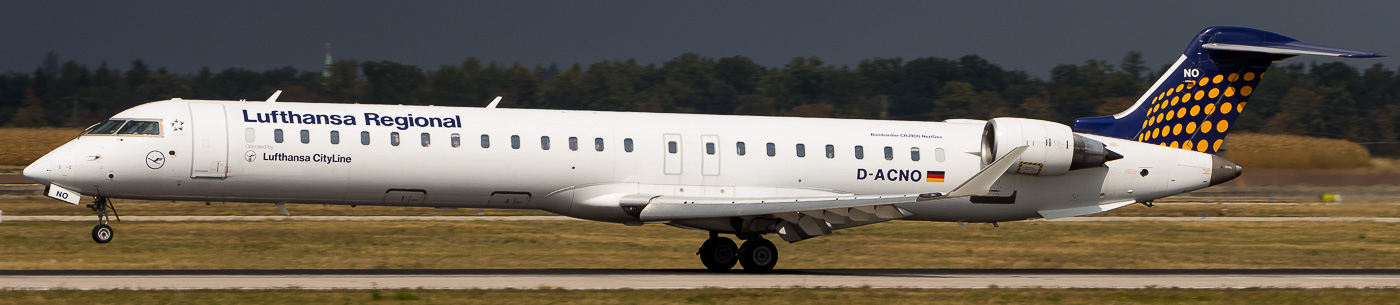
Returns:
(37,205)
(1255,210)
(582,244)
(1295,152)
(24,145)
(849,296)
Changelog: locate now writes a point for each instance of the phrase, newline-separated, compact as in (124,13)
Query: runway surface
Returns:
(536,218)
(695,279)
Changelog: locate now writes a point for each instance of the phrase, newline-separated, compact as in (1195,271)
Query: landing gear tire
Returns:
(102,234)
(719,254)
(758,255)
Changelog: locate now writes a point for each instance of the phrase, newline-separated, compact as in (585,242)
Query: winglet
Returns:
(273,99)
(494,102)
(981,183)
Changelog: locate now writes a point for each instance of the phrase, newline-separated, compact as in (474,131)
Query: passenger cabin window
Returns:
(277,135)
(710,148)
(671,147)
(456,140)
(801,150)
(889,153)
(830,151)
(335,137)
(485,141)
(427,139)
(544,142)
(914,154)
(860,152)
(135,127)
(249,134)
(515,142)
(772,149)
(627,144)
(573,143)
(305,136)
(598,144)
(739,148)
(938,154)
(364,138)
(394,138)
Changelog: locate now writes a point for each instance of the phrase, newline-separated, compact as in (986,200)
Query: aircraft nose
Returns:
(1223,170)
(38,171)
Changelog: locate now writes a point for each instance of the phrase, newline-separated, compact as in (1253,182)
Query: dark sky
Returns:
(1032,36)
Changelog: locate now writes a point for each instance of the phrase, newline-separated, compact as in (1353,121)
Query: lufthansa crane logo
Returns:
(155,159)
(250,156)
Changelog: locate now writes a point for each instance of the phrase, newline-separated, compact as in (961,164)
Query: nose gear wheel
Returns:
(103,233)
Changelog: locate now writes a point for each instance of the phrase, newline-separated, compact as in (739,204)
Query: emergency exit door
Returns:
(673,153)
(709,160)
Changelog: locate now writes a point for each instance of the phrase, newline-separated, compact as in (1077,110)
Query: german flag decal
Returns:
(935,176)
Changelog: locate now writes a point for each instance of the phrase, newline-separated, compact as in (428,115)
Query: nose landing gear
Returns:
(102,233)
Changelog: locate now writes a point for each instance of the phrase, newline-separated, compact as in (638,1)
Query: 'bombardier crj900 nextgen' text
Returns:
(752,177)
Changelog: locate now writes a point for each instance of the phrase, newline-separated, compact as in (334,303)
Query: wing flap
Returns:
(670,208)
(855,207)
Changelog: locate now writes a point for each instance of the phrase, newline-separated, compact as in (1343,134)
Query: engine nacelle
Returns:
(1052,148)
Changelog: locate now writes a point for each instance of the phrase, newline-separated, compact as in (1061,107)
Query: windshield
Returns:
(125,127)
(108,127)
(141,128)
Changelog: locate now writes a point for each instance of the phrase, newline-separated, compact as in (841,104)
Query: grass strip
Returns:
(844,296)
(574,244)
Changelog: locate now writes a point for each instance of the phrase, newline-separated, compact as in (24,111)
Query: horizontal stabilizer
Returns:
(1288,48)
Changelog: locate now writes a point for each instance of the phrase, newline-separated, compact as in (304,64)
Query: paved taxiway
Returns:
(692,279)
(534,218)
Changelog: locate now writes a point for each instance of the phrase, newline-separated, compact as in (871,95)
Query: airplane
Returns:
(752,177)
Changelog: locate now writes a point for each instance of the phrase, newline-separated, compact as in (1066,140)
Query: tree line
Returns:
(1330,99)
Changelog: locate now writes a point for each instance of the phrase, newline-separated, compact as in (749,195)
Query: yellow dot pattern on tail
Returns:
(1208,105)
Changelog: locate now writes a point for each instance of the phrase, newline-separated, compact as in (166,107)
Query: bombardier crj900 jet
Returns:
(751,177)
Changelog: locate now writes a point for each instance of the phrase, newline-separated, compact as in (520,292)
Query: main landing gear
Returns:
(102,233)
(756,255)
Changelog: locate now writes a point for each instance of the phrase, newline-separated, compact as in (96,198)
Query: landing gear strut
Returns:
(102,233)
(721,254)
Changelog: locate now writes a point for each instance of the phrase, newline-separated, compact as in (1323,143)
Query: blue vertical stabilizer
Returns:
(1193,104)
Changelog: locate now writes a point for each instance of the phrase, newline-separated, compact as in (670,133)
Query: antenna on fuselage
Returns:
(494,102)
(273,99)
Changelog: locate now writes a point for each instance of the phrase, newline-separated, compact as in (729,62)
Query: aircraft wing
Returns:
(835,209)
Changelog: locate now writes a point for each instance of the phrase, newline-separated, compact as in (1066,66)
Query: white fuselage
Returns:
(224,151)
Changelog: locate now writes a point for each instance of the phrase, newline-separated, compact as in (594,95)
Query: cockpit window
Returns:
(108,127)
(125,127)
(141,128)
